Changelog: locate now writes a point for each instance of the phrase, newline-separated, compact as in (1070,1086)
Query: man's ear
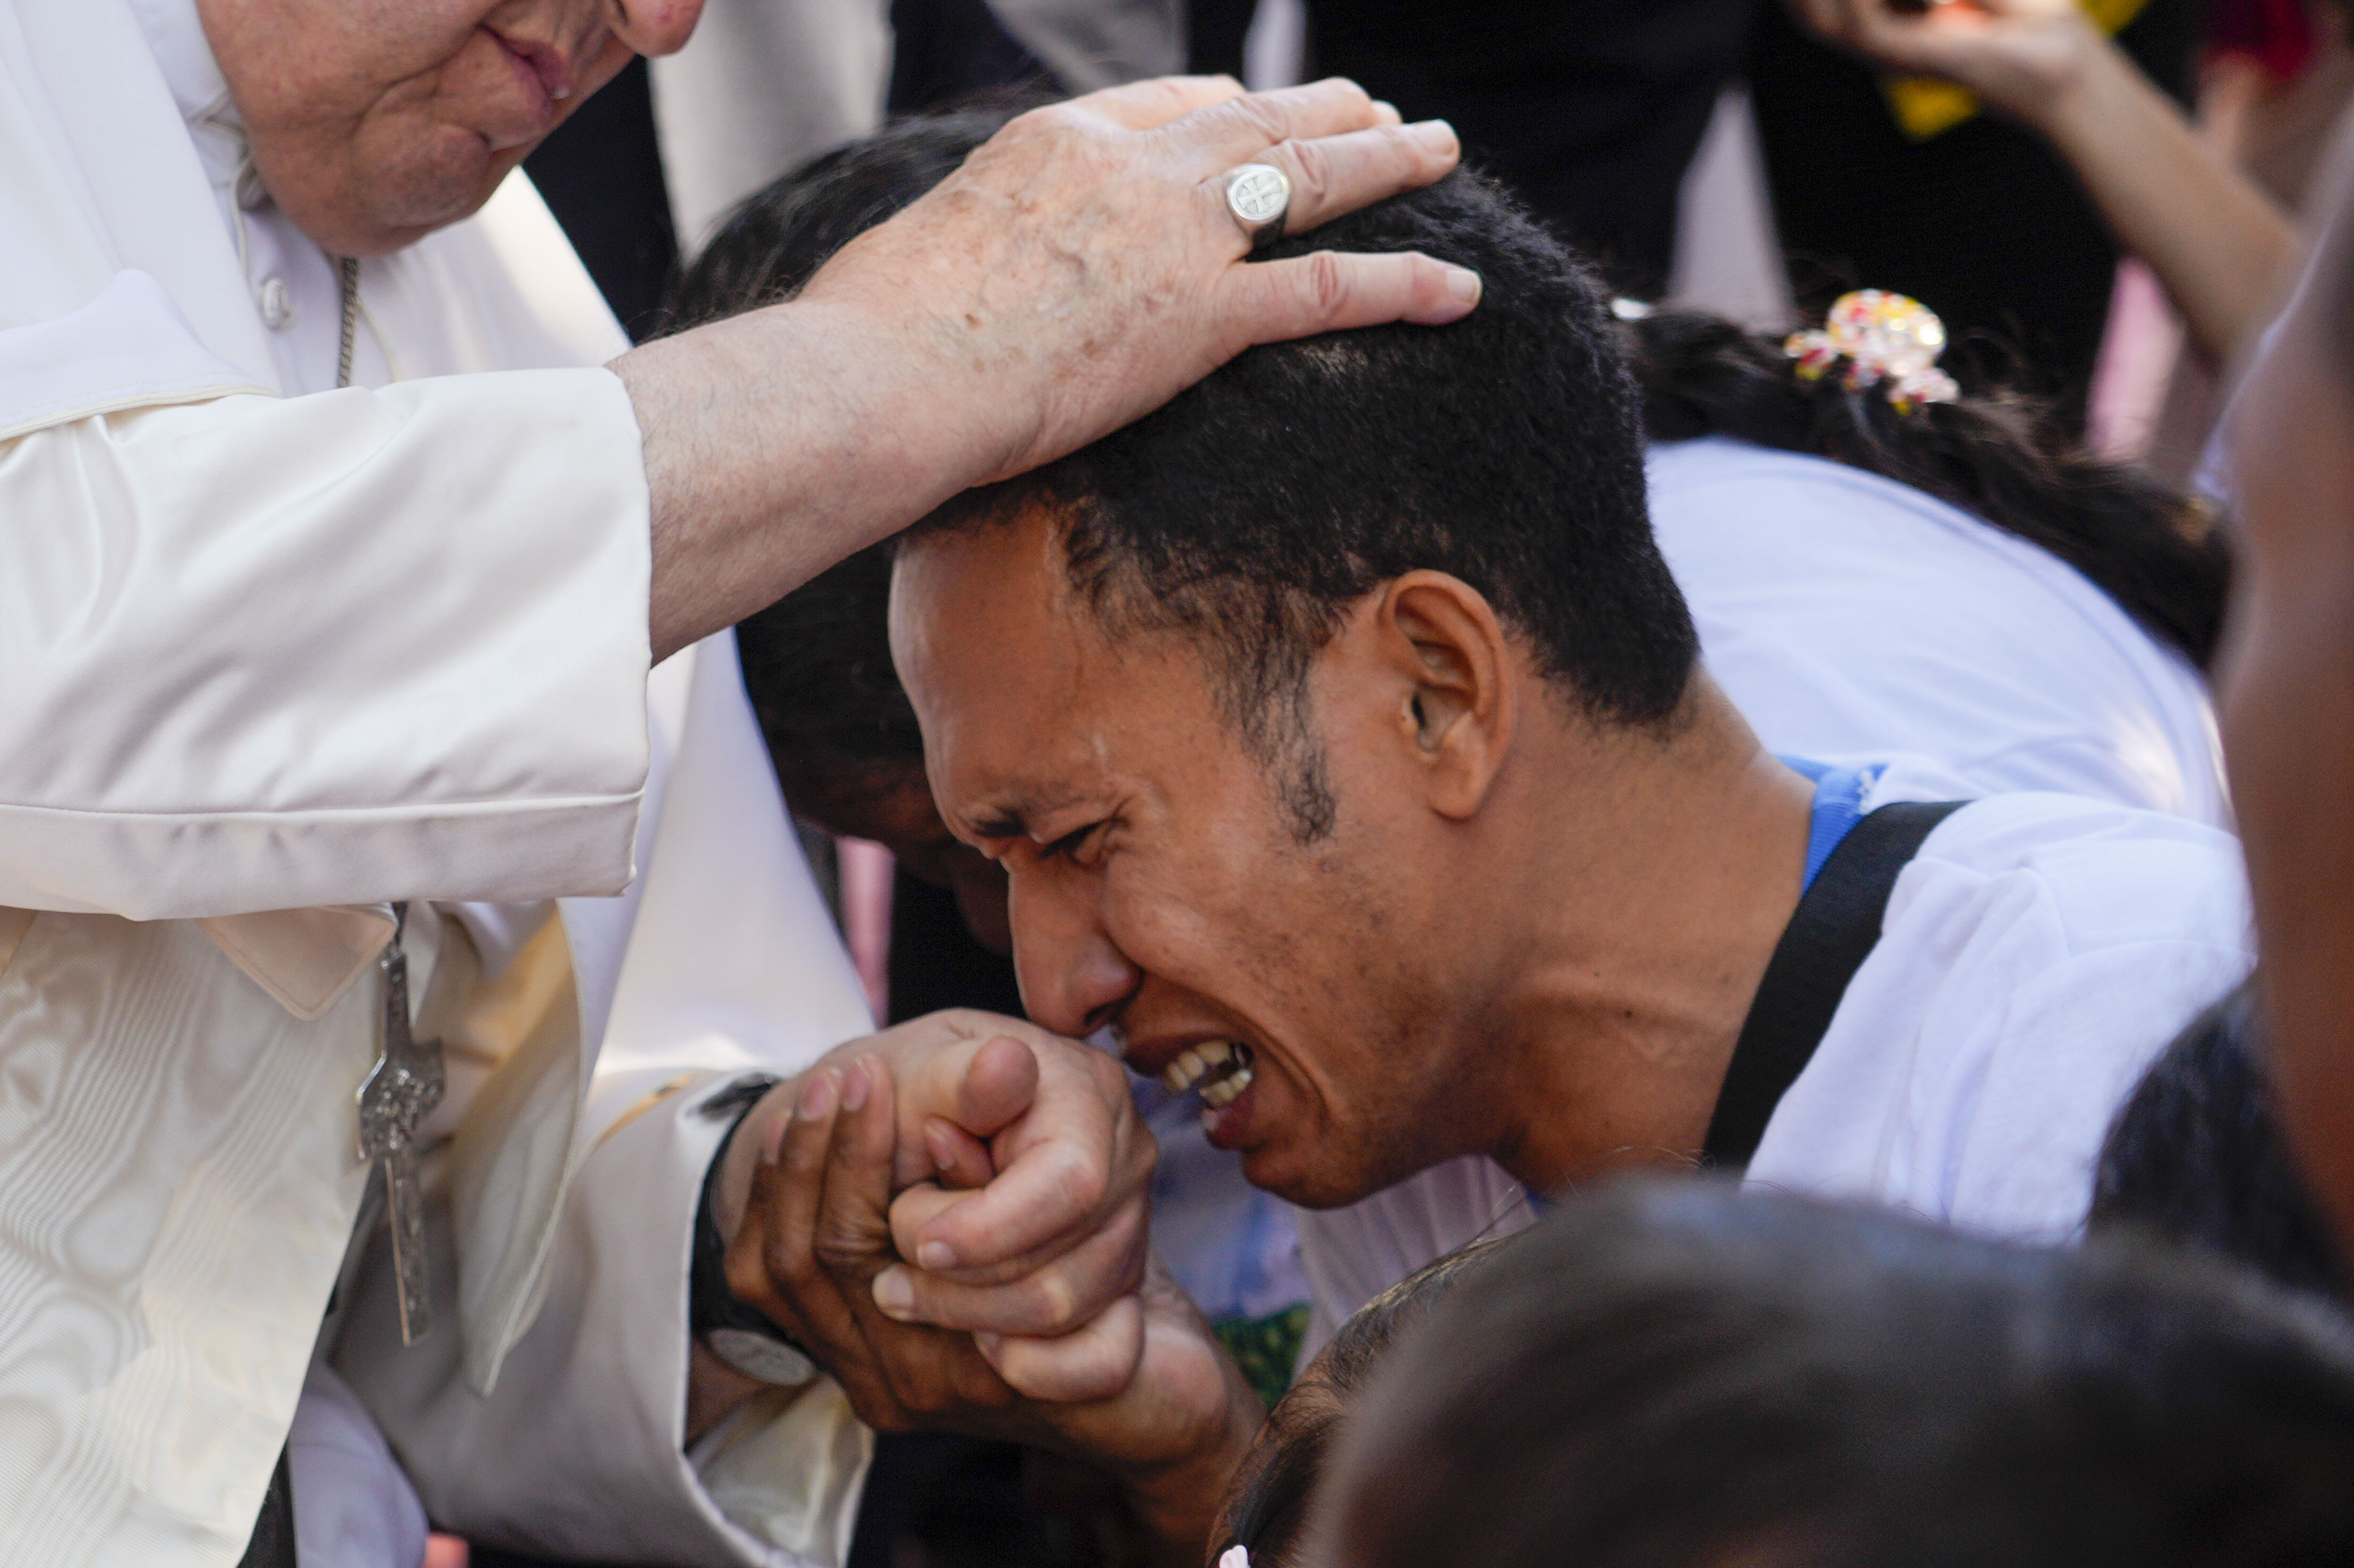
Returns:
(1462,703)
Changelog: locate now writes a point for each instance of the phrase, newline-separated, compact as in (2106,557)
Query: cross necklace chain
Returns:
(399,1092)
(409,1078)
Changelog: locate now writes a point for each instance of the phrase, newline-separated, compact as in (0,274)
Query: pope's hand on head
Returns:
(1106,271)
(1017,1189)
(1081,270)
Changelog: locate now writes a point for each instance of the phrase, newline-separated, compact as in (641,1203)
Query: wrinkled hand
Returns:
(1082,268)
(1077,272)
(1017,1179)
(2017,55)
(818,1232)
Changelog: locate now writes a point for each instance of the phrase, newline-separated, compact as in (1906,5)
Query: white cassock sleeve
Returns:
(358,646)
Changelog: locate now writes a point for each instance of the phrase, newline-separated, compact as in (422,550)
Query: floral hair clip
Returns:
(1234,1557)
(1884,338)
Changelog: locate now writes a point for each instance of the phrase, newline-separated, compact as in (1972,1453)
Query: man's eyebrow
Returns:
(1002,825)
(1010,816)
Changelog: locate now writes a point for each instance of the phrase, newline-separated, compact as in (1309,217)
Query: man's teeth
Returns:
(1190,1065)
(1225,1066)
(1224,1091)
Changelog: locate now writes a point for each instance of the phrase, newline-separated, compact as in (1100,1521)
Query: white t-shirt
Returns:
(1849,615)
(2037,954)
(1852,617)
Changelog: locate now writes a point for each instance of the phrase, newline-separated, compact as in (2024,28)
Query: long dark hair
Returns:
(1265,1506)
(2148,546)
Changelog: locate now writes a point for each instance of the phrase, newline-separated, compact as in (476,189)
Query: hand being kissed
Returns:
(1010,1166)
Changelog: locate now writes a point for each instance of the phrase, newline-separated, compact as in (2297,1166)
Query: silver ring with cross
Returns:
(1258,196)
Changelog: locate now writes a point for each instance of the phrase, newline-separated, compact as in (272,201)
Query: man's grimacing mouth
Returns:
(1221,1069)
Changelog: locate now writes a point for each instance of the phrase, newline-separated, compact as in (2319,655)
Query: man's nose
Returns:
(1074,978)
(656,27)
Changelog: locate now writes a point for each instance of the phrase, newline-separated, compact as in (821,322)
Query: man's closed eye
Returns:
(1069,845)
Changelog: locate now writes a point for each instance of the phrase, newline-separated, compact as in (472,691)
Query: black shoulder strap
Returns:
(1826,942)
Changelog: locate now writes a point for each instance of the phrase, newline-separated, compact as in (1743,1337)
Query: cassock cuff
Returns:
(777,1481)
(350,648)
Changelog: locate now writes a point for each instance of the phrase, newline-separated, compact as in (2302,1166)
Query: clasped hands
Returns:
(950,1218)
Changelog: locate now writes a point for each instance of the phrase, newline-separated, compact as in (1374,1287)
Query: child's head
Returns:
(1677,1374)
(1265,1505)
(2196,1157)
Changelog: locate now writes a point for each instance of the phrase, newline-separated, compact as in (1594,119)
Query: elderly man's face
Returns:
(1156,883)
(376,121)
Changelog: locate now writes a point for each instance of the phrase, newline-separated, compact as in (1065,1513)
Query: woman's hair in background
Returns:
(817,667)
(1266,1503)
(2196,1157)
(2147,545)
(1677,1375)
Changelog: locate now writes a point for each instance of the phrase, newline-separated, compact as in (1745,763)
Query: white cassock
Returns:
(275,655)
(1851,617)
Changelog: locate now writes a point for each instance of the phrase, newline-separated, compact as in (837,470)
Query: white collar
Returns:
(184,56)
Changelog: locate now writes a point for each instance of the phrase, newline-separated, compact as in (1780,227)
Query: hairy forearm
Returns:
(2217,243)
(779,442)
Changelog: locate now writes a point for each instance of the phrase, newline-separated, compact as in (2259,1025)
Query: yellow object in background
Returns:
(1926,106)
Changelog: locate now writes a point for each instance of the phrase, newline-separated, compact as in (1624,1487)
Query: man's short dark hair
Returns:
(817,667)
(1252,511)
(1506,449)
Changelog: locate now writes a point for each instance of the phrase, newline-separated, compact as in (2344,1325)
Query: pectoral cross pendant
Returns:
(400,1092)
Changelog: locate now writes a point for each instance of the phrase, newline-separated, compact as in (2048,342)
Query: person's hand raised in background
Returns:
(2017,55)
(2216,241)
